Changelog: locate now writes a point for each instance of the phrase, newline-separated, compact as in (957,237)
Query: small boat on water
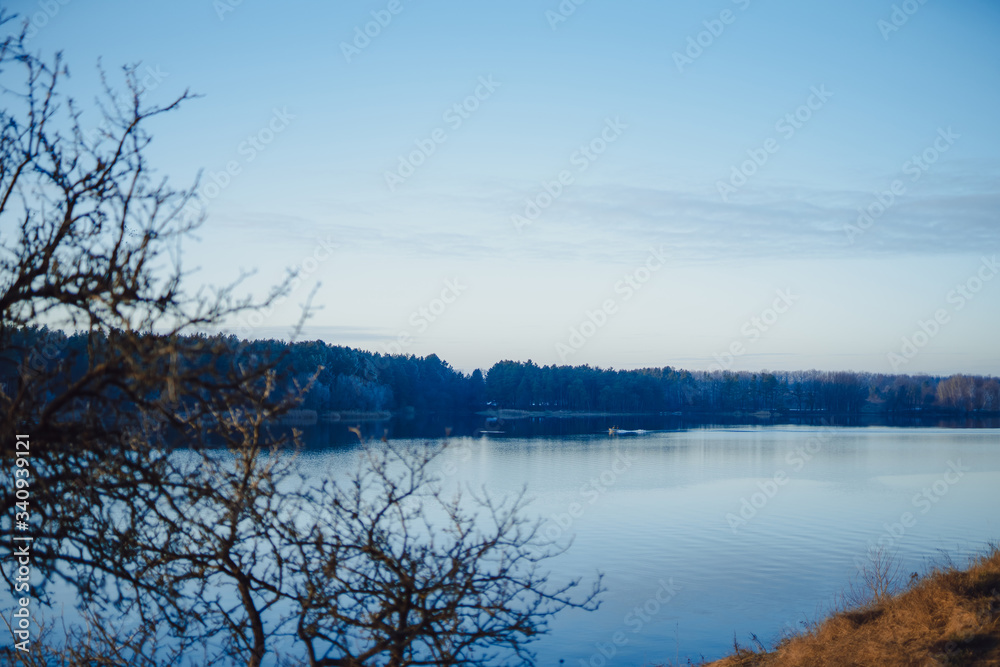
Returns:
(614,430)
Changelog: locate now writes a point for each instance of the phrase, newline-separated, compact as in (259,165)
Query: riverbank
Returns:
(313,417)
(510,413)
(947,617)
(786,415)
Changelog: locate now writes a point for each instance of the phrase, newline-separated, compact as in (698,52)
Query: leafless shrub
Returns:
(210,546)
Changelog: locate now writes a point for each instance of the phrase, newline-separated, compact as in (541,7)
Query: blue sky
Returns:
(742,163)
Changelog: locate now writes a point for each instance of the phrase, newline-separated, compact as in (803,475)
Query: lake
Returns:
(710,531)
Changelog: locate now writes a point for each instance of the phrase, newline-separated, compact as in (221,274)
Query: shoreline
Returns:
(948,616)
(513,413)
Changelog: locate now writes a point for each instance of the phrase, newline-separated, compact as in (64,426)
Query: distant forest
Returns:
(357,380)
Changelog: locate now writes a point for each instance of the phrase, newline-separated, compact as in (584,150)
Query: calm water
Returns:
(714,531)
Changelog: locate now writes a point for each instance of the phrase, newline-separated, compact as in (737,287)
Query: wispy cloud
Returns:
(950,211)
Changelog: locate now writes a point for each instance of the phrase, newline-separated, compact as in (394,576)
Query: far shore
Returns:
(561,414)
(307,417)
(311,417)
(511,414)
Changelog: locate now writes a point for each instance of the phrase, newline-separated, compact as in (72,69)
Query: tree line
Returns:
(321,377)
(527,386)
(326,377)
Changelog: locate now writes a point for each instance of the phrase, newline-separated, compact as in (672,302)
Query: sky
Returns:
(726,184)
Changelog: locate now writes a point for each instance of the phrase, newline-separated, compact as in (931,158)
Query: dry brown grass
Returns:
(949,617)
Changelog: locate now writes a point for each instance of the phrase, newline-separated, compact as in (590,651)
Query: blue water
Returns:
(660,515)
(712,532)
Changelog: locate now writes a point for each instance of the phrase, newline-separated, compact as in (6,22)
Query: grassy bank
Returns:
(947,617)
